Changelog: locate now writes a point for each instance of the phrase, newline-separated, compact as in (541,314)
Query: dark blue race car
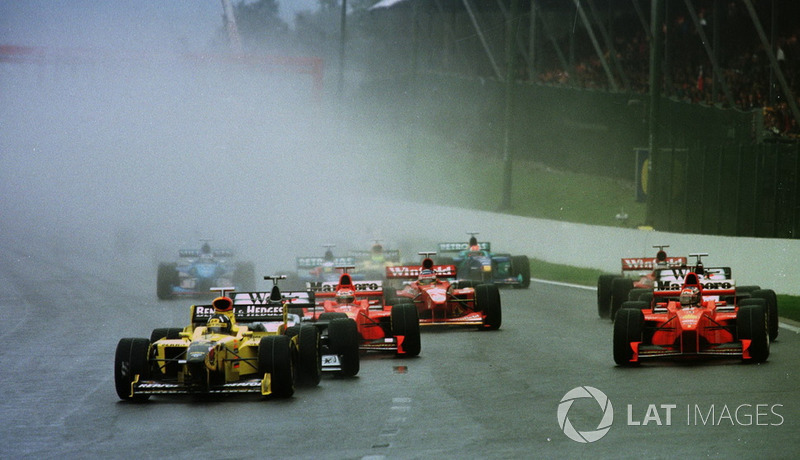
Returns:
(197,271)
(474,261)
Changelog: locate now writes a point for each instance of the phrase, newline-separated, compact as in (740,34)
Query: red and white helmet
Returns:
(345,296)
(689,296)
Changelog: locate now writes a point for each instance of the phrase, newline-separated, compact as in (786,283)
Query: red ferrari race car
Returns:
(440,301)
(671,278)
(637,273)
(701,318)
(381,325)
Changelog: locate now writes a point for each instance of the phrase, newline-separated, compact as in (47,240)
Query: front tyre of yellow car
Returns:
(131,360)
(275,358)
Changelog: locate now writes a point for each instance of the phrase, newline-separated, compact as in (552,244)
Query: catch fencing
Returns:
(720,173)
(738,190)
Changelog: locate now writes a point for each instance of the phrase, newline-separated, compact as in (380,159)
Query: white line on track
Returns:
(398,410)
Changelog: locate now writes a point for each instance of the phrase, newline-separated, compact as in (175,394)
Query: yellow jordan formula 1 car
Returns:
(238,344)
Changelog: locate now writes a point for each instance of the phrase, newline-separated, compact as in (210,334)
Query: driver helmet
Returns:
(219,324)
(377,254)
(690,296)
(427,276)
(345,297)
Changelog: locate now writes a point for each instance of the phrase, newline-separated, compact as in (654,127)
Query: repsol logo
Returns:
(676,286)
(157,385)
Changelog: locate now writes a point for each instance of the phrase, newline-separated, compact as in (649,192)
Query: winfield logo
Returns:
(411,271)
(606,419)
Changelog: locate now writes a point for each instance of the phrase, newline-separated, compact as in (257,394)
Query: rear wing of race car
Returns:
(314,262)
(391,255)
(649,263)
(707,286)
(247,307)
(461,246)
(370,290)
(412,271)
(296,301)
(328,288)
(677,274)
(194,253)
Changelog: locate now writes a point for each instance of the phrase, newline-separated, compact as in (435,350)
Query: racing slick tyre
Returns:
(275,359)
(604,283)
(620,288)
(167,279)
(772,310)
(131,359)
(746,291)
(343,337)
(751,323)
(628,327)
(405,322)
(463,284)
(389,295)
(244,277)
(331,315)
(637,293)
(487,298)
(169,333)
(309,362)
(521,267)
(635,304)
(647,297)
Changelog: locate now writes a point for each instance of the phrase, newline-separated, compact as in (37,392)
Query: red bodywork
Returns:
(368,309)
(709,329)
(441,302)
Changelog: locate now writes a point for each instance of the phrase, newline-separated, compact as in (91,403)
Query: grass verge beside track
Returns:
(789,306)
(538,191)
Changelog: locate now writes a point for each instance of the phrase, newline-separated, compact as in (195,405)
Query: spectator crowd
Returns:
(688,73)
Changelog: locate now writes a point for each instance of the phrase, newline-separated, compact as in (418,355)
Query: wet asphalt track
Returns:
(469,394)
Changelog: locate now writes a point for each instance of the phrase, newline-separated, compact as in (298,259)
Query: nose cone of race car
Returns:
(689,319)
(437,295)
(206,270)
(197,352)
